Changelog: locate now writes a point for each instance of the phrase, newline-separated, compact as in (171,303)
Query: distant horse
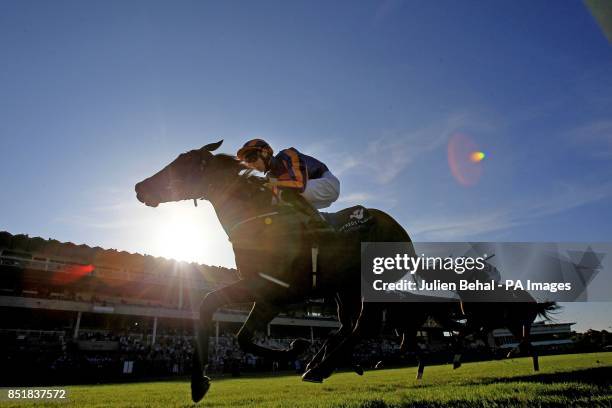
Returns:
(518,317)
(402,317)
(498,307)
(272,247)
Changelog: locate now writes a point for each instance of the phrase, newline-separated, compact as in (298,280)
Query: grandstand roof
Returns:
(84,254)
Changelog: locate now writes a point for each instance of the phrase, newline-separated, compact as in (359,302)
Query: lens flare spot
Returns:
(464,159)
(71,273)
(475,157)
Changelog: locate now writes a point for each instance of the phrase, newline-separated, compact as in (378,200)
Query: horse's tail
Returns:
(545,309)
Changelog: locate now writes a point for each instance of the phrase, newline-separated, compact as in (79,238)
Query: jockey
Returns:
(296,176)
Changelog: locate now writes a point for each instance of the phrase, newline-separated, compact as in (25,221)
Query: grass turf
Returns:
(564,380)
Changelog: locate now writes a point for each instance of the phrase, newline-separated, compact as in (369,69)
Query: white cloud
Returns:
(463,226)
(387,156)
(596,134)
(365,199)
(357,196)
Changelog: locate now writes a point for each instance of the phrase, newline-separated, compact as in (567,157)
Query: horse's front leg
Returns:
(447,322)
(237,292)
(408,321)
(261,314)
(410,344)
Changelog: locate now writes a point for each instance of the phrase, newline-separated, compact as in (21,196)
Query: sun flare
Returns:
(181,235)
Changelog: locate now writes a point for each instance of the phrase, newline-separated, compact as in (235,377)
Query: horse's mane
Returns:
(244,171)
(244,175)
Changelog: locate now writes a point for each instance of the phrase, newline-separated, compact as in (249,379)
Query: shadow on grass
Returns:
(501,403)
(598,376)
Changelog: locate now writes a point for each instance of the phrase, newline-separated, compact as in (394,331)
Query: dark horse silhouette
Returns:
(487,310)
(482,312)
(271,246)
(405,319)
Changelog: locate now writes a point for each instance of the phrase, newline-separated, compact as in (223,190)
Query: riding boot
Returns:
(316,223)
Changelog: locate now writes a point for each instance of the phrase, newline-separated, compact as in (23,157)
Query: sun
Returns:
(181,235)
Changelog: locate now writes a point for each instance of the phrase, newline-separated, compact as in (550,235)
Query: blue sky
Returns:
(99,95)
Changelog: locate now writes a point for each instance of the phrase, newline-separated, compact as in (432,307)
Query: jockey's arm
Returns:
(294,175)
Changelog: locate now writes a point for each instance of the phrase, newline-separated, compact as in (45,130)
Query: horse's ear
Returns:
(211,147)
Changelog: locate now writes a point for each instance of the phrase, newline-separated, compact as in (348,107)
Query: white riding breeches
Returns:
(322,192)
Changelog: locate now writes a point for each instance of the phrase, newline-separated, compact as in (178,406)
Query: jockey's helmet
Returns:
(255,145)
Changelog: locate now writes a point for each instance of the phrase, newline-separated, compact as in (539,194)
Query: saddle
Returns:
(352,219)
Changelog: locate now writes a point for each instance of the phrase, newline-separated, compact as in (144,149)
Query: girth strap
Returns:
(314,251)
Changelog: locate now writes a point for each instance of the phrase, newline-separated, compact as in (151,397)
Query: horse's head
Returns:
(183,179)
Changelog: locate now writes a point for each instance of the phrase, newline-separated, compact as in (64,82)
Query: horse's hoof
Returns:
(311,376)
(199,388)
(456,365)
(358,369)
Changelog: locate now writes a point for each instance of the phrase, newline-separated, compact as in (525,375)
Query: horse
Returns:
(487,310)
(518,317)
(400,317)
(481,317)
(272,246)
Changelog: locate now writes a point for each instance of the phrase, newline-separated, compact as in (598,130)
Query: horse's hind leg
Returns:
(333,339)
(410,343)
(524,347)
(458,349)
(331,343)
(346,316)
(344,347)
(441,315)
(536,362)
(528,347)
(262,314)
(237,292)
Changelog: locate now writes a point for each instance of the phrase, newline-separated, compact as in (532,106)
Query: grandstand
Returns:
(117,308)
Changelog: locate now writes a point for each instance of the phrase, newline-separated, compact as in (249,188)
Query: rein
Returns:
(245,221)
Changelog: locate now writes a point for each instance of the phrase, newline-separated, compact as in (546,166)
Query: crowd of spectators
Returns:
(97,356)
(102,355)
(227,356)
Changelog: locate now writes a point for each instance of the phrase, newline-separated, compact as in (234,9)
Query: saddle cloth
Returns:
(351,219)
